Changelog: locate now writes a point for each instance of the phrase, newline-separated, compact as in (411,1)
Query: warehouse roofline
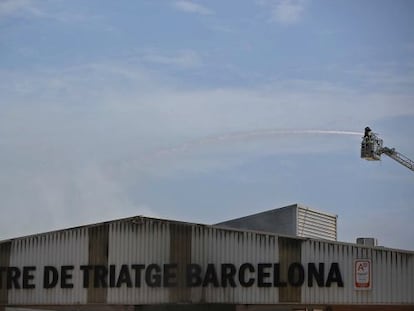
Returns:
(140,218)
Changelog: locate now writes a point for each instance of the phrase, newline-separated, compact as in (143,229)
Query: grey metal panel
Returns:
(97,255)
(68,247)
(217,246)
(4,262)
(139,241)
(180,254)
(392,274)
(289,252)
(290,220)
(315,224)
(151,241)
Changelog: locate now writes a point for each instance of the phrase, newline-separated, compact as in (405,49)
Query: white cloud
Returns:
(132,98)
(142,119)
(285,12)
(192,7)
(385,76)
(38,9)
(183,58)
(12,7)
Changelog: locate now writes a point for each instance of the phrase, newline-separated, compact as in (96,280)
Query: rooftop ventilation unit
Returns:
(367,241)
(295,220)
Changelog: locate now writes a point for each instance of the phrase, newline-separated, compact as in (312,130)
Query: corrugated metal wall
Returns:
(69,247)
(152,241)
(392,274)
(312,224)
(139,241)
(290,252)
(217,246)
(98,252)
(4,262)
(144,241)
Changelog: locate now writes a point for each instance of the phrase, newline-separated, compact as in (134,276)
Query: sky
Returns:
(204,111)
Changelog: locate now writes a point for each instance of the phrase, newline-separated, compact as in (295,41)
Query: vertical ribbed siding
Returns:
(4,262)
(289,252)
(314,224)
(97,255)
(327,253)
(392,274)
(139,241)
(180,254)
(56,249)
(218,246)
(151,241)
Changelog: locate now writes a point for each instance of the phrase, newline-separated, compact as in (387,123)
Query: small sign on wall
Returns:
(362,274)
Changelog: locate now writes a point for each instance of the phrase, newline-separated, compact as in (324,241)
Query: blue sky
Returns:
(199,111)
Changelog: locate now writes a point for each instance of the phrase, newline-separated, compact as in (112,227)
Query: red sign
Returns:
(362,274)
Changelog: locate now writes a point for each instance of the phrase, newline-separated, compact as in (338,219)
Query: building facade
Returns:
(143,263)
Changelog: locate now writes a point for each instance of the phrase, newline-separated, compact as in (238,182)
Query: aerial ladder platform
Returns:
(372,148)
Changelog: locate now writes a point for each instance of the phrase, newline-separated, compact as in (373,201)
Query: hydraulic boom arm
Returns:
(372,149)
(400,158)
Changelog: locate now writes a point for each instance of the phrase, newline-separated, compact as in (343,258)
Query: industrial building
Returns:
(284,259)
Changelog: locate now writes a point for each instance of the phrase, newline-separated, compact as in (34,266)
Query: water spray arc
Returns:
(246,136)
